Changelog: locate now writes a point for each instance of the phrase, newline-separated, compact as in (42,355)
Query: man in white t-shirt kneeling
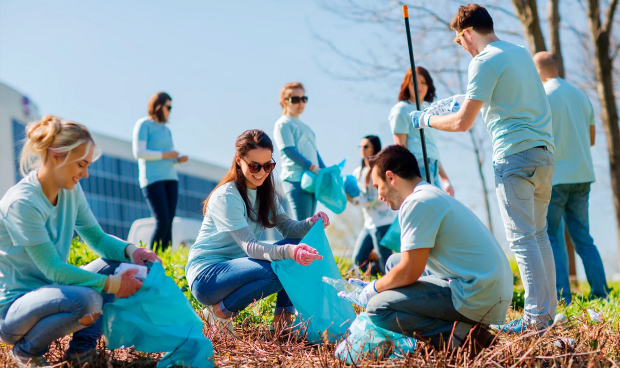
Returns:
(471,284)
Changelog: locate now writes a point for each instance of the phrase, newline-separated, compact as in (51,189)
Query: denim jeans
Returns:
(571,202)
(433,166)
(39,317)
(162,198)
(237,283)
(368,240)
(303,204)
(423,309)
(523,187)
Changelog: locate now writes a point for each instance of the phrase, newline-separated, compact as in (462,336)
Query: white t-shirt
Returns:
(376,213)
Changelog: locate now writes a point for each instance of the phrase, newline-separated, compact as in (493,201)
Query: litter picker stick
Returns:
(414,80)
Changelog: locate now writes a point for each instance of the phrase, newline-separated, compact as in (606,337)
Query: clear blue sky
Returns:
(224,63)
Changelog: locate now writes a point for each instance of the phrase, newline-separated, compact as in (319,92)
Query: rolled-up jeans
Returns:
(570,201)
(38,318)
(237,283)
(423,309)
(302,203)
(523,186)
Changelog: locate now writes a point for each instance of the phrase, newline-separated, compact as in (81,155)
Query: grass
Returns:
(596,344)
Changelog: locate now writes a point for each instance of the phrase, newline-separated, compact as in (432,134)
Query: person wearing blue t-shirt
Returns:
(42,298)
(407,136)
(298,152)
(504,86)
(471,281)
(229,267)
(573,134)
(153,148)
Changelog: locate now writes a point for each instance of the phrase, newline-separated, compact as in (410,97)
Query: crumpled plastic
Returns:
(158,318)
(350,186)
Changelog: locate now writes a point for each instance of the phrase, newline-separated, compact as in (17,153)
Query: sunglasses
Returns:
(365,146)
(255,167)
(169,107)
(457,39)
(296,100)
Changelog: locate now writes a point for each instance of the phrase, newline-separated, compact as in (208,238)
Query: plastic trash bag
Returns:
(391,239)
(367,340)
(308,179)
(158,318)
(329,188)
(317,303)
(350,186)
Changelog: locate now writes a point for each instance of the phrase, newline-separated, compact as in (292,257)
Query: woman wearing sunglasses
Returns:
(297,145)
(153,148)
(407,136)
(228,266)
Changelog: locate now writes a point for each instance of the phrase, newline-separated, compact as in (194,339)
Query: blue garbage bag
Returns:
(329,188)
(367,340)
(391,239)
(350,186)
(308,179)
(158,318)
(320,309)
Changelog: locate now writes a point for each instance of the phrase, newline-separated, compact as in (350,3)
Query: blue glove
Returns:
(421,119)
(360,298)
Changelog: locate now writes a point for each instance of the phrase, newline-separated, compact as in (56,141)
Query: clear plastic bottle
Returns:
(342,285)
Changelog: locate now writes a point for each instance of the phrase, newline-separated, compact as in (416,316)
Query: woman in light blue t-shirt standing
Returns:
(297,145)
(154,150)
(407,136)
(42,298)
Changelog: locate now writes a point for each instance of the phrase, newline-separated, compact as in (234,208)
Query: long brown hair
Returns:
(156,104)
(405,95)
(265,194)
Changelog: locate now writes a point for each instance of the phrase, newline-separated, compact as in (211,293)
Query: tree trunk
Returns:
(554,35)
(527,11)
(603,70)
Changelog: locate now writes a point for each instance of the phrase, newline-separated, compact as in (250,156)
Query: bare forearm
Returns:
(448,123)
(398,277)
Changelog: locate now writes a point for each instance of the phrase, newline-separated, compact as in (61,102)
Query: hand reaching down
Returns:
(304,254)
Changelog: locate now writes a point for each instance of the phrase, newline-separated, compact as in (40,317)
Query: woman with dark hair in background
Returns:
(228,267)
(407,136)
(154,150)
(377,215)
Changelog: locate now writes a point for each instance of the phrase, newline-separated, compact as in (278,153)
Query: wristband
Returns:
(114,284)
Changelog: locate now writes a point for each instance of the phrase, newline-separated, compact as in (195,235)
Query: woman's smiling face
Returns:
(260,156)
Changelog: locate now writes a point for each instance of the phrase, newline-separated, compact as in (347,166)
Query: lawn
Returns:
(597,344)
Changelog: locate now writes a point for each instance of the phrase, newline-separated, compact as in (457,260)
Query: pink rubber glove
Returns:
(125,284)
(305,254)
(141,255)
(320,215)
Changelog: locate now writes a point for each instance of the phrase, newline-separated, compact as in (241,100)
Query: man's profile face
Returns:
(387,191)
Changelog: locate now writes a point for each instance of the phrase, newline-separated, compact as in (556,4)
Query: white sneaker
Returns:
(213,320)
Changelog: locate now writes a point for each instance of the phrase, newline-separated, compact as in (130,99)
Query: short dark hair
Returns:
(472,15)
(398,160)
(156,102)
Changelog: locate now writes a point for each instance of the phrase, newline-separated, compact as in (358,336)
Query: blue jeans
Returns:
(433,166)
(38,318)
(237,283)
(423,309)
(523,187)
(162,198)
(571,202)
(303,204)
(368,240)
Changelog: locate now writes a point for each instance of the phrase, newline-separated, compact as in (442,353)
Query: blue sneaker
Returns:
(517,326)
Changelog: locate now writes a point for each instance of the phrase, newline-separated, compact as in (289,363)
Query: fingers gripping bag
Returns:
(367,340)
(321,313)
(158,318)
(329,188)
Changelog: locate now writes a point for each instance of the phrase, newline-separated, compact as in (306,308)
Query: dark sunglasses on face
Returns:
(168,107)
(296,100)
(255,167)
(365,146)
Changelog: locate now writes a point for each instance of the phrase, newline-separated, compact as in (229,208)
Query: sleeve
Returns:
(400,122)
(482,81)
(298,159)
(419,223)
(321,163)
(25,224)
(227,212)
(47,260)
(260,250)
(107,246)
(283,135)
(138,145)
(292,229)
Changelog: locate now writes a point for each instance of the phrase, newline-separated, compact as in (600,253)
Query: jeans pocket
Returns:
(520,185)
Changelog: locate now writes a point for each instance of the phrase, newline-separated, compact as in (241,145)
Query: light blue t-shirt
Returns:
(516,109)
(573,115)
(158,138)
(291,132)
(226,212)
(27,219)
(462,251)
(400,123)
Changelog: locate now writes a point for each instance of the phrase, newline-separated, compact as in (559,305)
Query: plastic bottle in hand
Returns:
(343,285)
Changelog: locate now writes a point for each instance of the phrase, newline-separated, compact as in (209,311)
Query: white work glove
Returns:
(364,296)
(421,119)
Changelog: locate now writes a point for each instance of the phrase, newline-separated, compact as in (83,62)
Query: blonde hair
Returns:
(55,136)
(286,91)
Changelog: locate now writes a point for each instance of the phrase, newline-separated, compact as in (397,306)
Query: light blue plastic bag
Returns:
(368,340)
(391,239)
(308,180)
(350,186)
(318,303)
(158,318)
(329,188)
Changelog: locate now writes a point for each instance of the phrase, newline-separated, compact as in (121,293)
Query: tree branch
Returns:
(609,16)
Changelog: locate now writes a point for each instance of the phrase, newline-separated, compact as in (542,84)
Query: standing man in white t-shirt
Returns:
(471,282)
